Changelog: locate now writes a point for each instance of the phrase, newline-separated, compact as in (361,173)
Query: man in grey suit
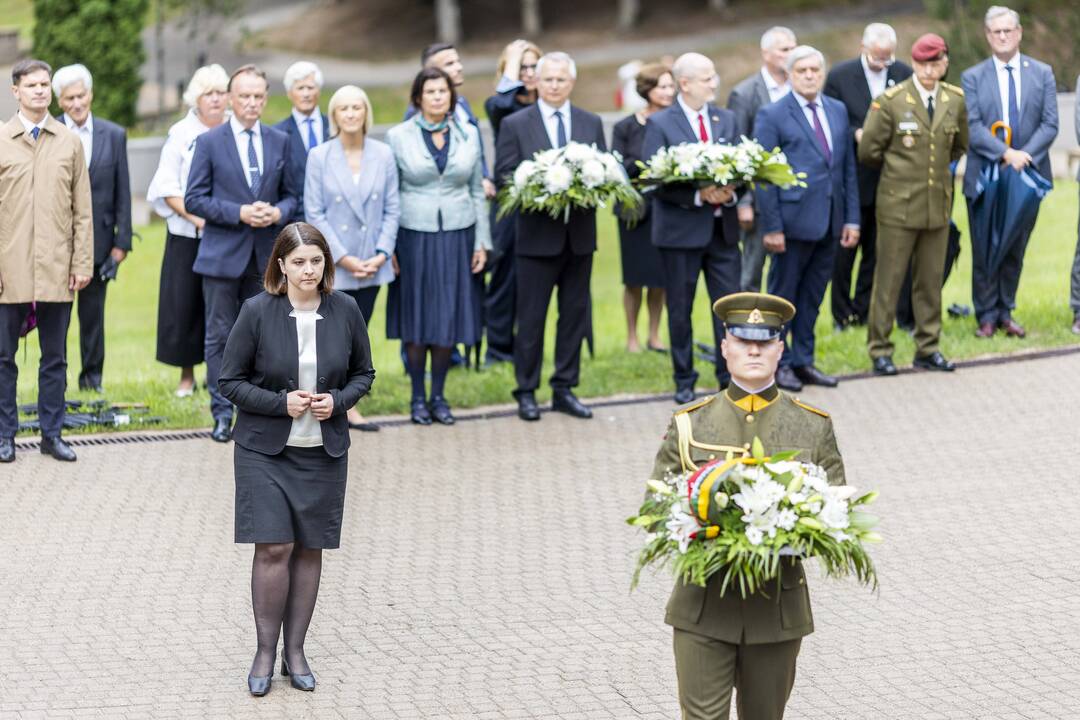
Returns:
(1074,295)
(1021,92)
(763,87)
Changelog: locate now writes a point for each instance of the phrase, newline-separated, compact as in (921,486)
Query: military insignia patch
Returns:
(755,317)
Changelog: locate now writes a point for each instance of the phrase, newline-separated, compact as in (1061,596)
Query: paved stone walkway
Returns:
(484,570)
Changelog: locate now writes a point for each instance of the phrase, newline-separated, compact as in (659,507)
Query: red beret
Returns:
(929,47)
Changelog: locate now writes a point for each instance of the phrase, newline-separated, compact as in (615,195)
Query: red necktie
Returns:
(701,128)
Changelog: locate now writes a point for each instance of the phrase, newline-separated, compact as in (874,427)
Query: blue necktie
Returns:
(560,130)
(253,162)
(312,141)
(35,131)
(1014,107)
(819,131)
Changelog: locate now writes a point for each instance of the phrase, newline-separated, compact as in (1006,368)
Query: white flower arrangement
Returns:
(576,176)
(703,164)
(739,516)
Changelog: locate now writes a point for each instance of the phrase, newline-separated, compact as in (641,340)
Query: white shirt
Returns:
(925,94)
(305,431)
(170,179)
(85,133)
(551,123)
(29,126)
(241,137)
(1003,86)
(316,125)
(692,118)
(808,114)
(776,90)
(876,79)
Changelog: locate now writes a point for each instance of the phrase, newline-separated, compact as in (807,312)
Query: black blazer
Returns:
(298,150)
(847,83)
(110,188)
(262,362)
(520,137)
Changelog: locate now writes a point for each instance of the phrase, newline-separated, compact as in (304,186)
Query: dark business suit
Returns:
(812,217)
(110,193)
(550,253)
(232,256)
(745,100)
(847,83)
(298,151)
(260,367)
(692,239)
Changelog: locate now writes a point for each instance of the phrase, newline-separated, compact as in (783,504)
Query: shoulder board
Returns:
(893,90)
(954,88)
(695,405)
(811,408)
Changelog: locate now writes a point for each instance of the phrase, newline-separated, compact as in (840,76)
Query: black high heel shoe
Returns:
(300,682)
(440,410)
(259,686)
(419,412)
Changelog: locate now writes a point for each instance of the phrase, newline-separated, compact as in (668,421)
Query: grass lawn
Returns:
(132,374)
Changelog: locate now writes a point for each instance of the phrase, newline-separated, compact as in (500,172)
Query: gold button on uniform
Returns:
(749,418)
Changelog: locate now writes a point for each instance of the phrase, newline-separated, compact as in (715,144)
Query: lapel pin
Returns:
(716,118)
(890,82)
(1027,64)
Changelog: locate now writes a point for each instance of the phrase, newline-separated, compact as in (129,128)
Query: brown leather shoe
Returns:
(1012,328)
(985,330)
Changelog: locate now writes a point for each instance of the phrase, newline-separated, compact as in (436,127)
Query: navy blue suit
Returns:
(692,239)
(298,150)
(232,256)
(810,217)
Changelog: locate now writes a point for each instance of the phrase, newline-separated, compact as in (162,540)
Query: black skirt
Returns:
(181,324)
(641,263)
(297,496)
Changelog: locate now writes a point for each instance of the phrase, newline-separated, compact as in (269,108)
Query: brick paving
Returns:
(484,570)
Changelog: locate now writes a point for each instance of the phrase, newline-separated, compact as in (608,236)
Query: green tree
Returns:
(103,35)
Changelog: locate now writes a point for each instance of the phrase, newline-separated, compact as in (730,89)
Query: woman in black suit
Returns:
(297,359)
(641,265)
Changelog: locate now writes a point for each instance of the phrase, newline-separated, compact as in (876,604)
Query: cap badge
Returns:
(756,318)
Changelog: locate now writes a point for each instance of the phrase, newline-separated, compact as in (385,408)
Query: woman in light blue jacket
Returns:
(442,241)
(351,196)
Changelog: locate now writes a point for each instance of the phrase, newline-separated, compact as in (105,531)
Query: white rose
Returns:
(557,179)
(523,173)
(577,152)
(592,173)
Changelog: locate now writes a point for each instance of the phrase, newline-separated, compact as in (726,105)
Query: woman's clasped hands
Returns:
(299,402)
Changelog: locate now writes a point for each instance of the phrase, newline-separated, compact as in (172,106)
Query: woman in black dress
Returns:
(297,359)
(641,265)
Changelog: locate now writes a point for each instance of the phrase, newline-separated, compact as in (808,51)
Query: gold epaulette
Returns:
(954,88)
(811,408)
(892,91)
(695,405)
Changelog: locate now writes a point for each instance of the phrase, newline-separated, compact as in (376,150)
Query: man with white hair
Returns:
(1020,92)
(803,226)
(306,125)
(105,148)
(696,230)
(763,87)
(857,83)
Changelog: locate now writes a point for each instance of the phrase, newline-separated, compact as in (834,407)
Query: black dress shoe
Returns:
(564,401)
(934,361)
(259,686)
(440,410)
(785,379)
(57,448)
(810,375)
(300,682)
(93,387)
(684,395)
(527,407)
(364,426)
(419,412)
(222,431)
(7,450)
(884,366)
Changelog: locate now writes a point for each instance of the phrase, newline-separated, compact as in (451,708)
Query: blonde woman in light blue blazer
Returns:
(443,240)
(351,196)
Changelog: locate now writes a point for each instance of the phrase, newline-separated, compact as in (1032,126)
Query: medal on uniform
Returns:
(909,141)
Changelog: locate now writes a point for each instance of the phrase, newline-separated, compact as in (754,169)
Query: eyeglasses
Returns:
(1003,32)
(886,62)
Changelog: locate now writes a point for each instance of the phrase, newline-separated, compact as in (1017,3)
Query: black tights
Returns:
(416,355)
(284,587)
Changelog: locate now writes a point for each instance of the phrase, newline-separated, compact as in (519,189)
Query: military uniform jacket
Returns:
(914,154)
(707,430)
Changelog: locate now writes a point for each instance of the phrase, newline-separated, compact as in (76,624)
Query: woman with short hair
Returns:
(297,359)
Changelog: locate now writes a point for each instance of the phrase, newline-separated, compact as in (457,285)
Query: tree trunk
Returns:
(530,17)
(628,14)
(448,20)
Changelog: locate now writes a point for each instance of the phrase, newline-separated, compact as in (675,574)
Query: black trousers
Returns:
(53,319)
(993,292)
(722,264)
(91,311)
(845,306)
(537,277)
(500,300)
(222,298)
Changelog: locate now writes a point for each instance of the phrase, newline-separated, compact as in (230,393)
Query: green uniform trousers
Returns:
(897,249)
(709,669)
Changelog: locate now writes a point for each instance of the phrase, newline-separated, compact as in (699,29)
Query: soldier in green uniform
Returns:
(723,642)
(913,132)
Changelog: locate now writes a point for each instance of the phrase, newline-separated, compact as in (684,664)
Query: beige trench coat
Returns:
(45,223)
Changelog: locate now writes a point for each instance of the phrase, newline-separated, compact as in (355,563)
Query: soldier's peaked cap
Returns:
(754,316)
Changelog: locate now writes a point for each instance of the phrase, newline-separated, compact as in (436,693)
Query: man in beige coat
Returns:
(46,249)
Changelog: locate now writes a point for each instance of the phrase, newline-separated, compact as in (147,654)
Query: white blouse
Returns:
(171,177)
(306,431)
